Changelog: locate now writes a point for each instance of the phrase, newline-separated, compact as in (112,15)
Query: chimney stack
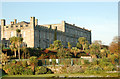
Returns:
(11,22)
(15,21)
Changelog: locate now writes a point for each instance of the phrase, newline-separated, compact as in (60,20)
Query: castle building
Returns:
(35,35)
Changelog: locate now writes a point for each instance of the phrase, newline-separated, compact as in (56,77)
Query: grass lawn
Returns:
(67,75)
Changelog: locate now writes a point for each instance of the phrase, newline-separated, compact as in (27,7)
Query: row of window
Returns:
(12,34)
(17,26)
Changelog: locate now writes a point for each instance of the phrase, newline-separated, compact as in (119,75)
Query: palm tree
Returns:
(83,42)
(18,35)
(13,46)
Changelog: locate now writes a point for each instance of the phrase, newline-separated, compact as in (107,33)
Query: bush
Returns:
(75,69)
(86,62)
(24,63)
(110,67)
(40,70)
(28,72)
(15,70)
(94,70)
(14,61)
(33,60)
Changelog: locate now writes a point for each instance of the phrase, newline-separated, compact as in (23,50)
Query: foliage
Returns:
(57,44)
(75,69)
(28,72)
(75,51)
(94,70)
(61,53)
(114,46)
(82,42)
(24,63)
(13,61)
(95,49)
(40,70)
(69,45)
(4,58)
(68,54)
(33,60)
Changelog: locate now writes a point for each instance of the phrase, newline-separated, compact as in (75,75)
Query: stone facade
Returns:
(35,35)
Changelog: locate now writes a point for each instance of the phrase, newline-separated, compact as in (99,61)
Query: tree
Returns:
(95,49)
(114,46)
(69,45)
(18,34)
(14,46)
(82,41)
(15,42)
(57,44)
(103,52)
(68,54)
(61,53)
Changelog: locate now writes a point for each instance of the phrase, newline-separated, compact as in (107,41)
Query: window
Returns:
(16,26)
(5,34)
(5,45)
(6,26)
(21,26)
(11,34)
(23,34)
(11,26)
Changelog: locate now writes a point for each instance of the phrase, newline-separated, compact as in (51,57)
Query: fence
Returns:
(48,62)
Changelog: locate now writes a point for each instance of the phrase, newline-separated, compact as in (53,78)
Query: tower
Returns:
(2,28)
(32,22)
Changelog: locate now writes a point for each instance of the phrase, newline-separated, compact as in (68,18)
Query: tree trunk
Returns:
(19,52)
(15,53)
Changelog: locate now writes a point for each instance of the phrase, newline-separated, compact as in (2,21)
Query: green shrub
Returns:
(75,69)
(40,70)
(24,63)
(94,70)
(15,70)
(28,72)
(86,62)
(13,61)
(110,67)
(33,60)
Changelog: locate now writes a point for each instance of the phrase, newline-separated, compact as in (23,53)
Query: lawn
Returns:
(67,75)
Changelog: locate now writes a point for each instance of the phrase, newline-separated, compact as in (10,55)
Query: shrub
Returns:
(15,70)
(75,69)
(94,70)
(24,63)
(33,60)
(40,70)
(28,72)
(86,62)
(13,61)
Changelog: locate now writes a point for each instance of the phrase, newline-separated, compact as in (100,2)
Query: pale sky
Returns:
(100,17)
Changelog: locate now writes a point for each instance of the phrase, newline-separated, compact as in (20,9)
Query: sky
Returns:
(99,17)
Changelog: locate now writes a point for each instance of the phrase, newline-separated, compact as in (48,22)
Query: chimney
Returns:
(15,21)
(36,22)
(73,24)
(11,22)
